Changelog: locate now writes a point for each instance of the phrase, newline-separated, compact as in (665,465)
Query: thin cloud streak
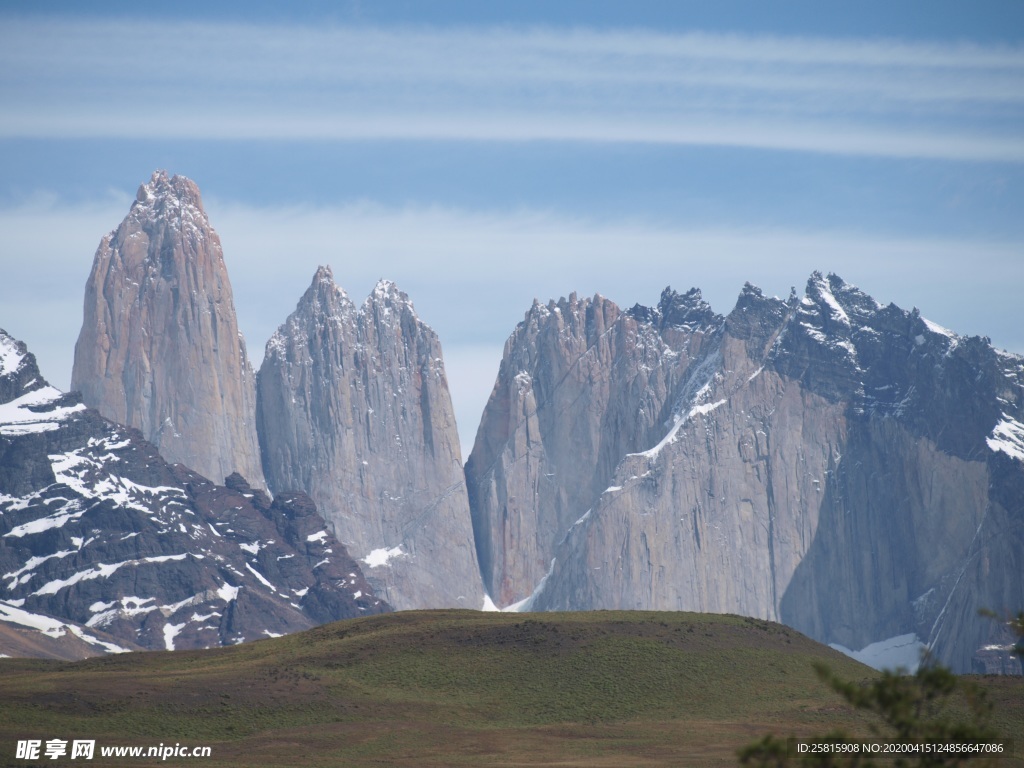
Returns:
(837,139)
(224,81)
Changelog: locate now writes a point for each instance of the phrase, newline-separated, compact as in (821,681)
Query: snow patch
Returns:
(383,556)
(701,410)
(31,564)
(900,652)
(170,632)
(52,627)
(102,570)
(227,593)
(48,626)
(526,605)
(10,357)
(70,511)
(489,606)
(936,328)
(320,537)
(17,418)
(261,577)
(1008,437)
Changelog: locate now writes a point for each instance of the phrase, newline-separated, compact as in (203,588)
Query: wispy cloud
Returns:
(78,78)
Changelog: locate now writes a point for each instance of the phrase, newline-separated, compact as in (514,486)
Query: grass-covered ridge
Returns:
(450,688)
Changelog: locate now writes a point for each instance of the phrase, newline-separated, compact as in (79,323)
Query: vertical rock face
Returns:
(353,408)
(852,470)
(159,348)
(581,384)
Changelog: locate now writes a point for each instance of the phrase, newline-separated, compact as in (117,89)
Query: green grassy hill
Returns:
(431,688)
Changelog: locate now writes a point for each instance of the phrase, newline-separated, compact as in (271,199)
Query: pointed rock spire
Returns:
(159,348)
(354,409)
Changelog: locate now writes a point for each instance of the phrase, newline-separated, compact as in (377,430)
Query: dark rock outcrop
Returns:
(98,530)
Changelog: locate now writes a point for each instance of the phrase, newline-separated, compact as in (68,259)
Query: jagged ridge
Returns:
(99,530)
(797,436)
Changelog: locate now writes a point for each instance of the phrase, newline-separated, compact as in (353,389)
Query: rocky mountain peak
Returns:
(756,318)
(581,384)
(324,296)
(159,348)
(19,373)
(386,295)
(354,409)
(28,406)
(173,201)
(687,310)
(165,191)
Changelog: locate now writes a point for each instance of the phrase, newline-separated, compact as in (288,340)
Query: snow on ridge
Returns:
(72,510)
(102,570)
(17,418)
(838,313)
(262,579)
(697,410)
(936,328)
(51,627)
(72,469)
(45,624)
(1008,437)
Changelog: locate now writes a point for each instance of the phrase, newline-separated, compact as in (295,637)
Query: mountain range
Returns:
(849,469)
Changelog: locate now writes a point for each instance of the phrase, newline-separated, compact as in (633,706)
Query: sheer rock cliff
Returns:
(354,409)
(852,470)
(160,348)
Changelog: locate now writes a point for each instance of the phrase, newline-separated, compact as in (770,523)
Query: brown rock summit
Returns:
(159,348)
(354,409)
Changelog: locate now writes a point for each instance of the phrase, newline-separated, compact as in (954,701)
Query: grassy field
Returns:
(456,688)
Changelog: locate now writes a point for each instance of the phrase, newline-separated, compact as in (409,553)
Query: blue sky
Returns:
(483,154)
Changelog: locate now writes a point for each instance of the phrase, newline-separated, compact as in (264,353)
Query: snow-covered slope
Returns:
(97,530)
